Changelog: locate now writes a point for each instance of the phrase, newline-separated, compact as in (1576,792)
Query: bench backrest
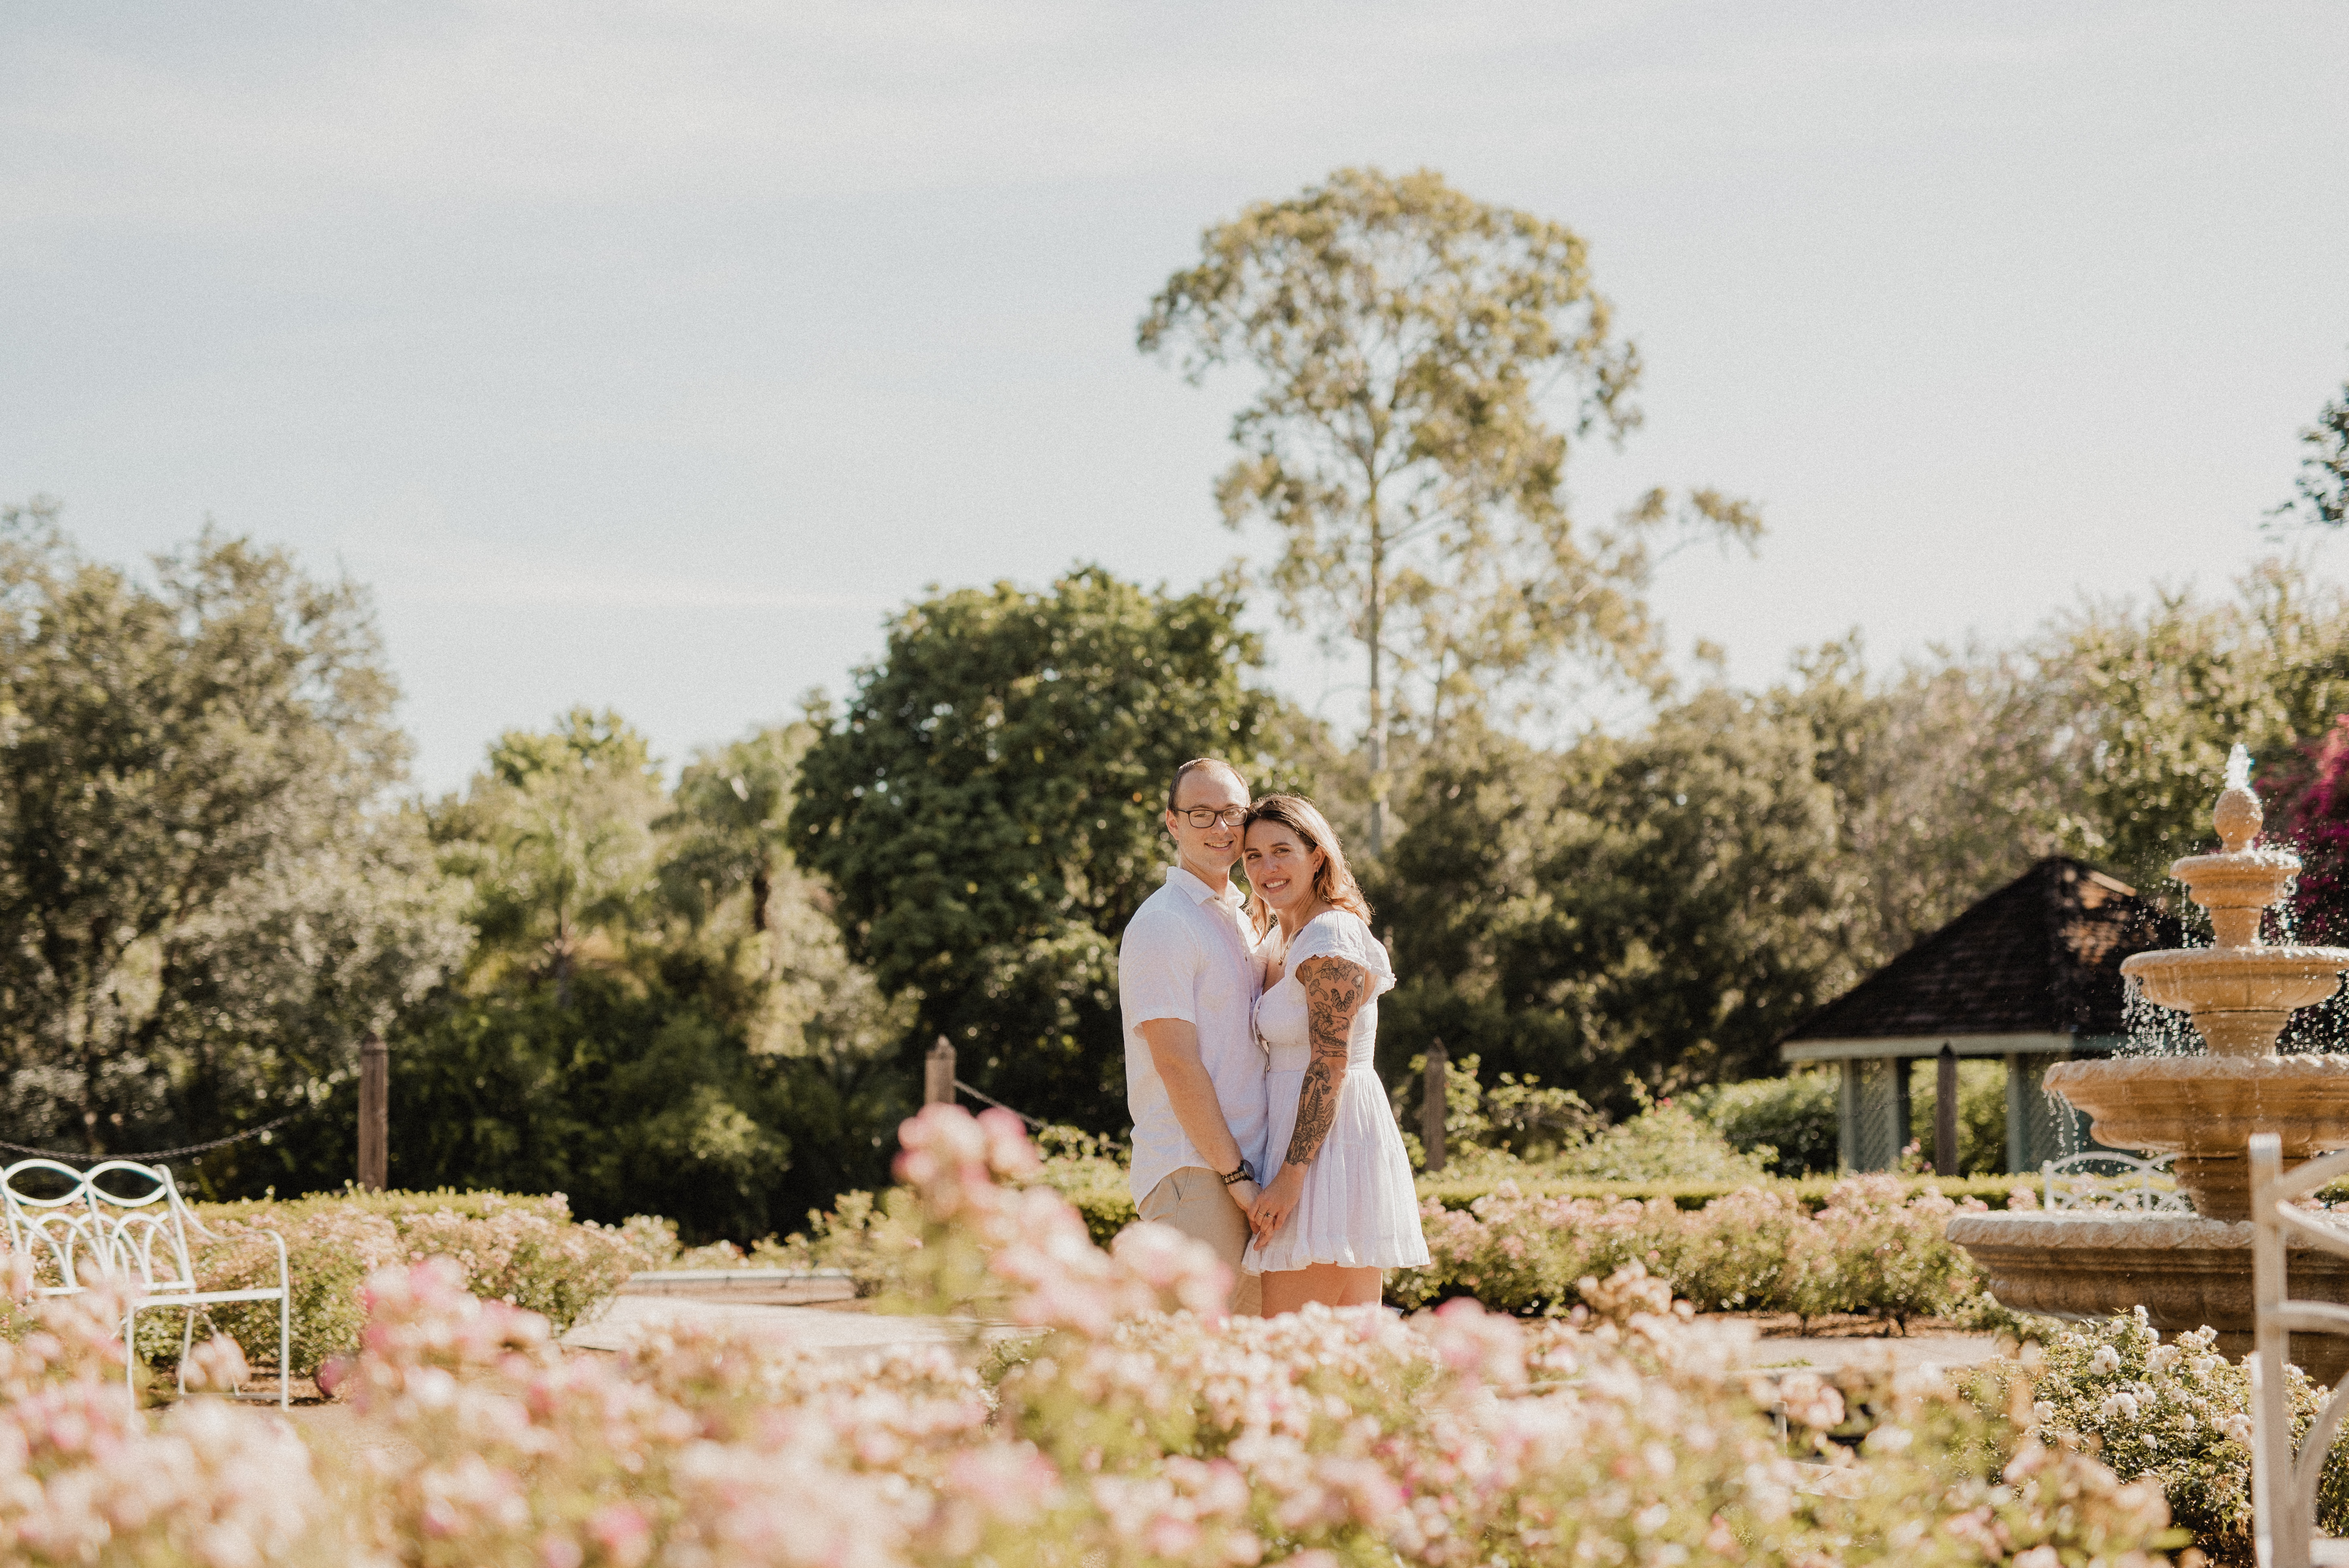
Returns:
(2102,1178)
(115,1218)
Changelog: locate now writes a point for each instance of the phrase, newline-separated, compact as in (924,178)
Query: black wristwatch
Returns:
(1242,1173)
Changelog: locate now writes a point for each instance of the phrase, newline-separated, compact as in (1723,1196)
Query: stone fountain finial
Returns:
(2238,815)
(2239,885)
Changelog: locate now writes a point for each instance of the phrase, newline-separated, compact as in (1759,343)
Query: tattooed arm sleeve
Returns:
(1334,989)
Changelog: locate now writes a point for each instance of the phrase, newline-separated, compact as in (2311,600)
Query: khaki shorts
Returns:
(1195,1202)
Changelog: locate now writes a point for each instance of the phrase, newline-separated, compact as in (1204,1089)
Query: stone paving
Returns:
(847,1334)
(827,1331)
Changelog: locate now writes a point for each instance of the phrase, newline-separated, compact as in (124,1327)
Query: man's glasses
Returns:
(1208,816)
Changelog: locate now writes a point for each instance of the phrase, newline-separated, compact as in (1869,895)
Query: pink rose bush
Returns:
(86,1480)
(1100,1412)
(526,1250)
(1872,1247)
(1132,1426)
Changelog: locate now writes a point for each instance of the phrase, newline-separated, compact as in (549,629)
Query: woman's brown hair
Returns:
(1333,882)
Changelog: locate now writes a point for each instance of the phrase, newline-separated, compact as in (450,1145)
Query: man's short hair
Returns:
(1175,788)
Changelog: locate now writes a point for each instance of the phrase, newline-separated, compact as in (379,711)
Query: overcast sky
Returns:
(648,356)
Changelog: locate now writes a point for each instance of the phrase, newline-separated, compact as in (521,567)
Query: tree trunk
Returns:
(761,889)
(562,962)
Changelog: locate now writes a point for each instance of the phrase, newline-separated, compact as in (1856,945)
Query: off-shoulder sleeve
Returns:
(1340,934)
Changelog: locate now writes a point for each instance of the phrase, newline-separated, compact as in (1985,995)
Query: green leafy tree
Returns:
(2324,483)
(2151,698)
(1638,915)
(1950,778)
(819,1028)
(658,1014)
(556,838)
(208,895)
(1412,342)
(987,811)
(727,824)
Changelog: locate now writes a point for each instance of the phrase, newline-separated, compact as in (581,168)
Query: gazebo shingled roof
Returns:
(2040,955)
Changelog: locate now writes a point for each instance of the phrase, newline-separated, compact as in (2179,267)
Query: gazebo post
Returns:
(2018,1122)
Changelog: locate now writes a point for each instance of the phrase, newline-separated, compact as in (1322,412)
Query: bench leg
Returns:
(130,1356)
(187,1343)
(285,1349)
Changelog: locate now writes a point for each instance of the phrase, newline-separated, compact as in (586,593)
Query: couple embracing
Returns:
(1259,1125)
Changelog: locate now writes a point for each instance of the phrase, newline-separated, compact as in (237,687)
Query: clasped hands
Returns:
(1269,1208)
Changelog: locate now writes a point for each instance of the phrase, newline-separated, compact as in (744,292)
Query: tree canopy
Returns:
(2322,487)
(1412,344)
(987,811)
(1661,907)
(208,893)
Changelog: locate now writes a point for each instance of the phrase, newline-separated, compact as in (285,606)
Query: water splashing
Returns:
(2155,1030)
(2238,768)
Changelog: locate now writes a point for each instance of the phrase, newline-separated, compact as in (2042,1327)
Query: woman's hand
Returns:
(1275,1204)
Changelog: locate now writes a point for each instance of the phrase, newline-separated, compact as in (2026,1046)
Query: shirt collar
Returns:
(1200,892)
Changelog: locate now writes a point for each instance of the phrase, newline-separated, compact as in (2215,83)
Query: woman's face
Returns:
(1279,867)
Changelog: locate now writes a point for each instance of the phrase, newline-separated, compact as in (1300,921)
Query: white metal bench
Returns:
(2125,1183)
(2283,1488)
(90,1231)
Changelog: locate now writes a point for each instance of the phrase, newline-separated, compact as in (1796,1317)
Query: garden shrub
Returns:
(1793,1118)
(1733,1261)
(2178,1415)
(1139,1430)
(1665,1142)
(1874,1246)
(526,1250)
(86,1480)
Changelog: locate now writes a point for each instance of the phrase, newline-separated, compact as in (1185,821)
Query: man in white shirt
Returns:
(1187,981)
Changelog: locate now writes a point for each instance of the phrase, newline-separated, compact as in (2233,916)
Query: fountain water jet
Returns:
(2240,992)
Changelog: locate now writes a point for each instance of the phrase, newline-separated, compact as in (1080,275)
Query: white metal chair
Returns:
(2283,1488)
(2124,1182)
(88,1231)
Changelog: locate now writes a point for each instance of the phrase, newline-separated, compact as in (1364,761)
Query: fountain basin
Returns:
(2237,887)
(2204,1109)
(2187,1272)
(2240,997)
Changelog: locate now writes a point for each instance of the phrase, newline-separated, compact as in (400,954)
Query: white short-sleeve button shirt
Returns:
(1188,955)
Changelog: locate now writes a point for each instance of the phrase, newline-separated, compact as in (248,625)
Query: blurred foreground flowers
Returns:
(1130,1425)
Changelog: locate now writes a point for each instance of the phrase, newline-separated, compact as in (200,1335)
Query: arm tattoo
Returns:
(1334,989)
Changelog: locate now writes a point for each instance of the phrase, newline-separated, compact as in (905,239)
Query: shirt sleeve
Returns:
(1157,972)
(1339,934)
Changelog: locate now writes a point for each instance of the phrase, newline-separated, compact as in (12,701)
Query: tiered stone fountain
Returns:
(2189,1271)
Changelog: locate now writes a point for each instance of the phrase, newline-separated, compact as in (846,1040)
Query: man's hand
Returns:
(1243,1192)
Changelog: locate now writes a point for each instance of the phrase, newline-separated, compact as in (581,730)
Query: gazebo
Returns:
(2031,973)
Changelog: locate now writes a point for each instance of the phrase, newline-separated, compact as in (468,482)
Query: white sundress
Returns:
(1358,1208)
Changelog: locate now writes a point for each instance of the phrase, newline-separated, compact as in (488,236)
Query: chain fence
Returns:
(84,1157)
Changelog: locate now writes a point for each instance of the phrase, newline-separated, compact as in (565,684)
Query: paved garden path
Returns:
(827,1332)
(1871,1354)
(848,1334)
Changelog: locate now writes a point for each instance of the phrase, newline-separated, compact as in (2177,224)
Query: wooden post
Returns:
(938,1074)
(1432,1106)
(375,1113)
(1945,1113)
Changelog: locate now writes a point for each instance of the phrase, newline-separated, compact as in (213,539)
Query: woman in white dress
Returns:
(1339,1207)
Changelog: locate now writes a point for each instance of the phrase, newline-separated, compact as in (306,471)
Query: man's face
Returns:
(1208,788)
